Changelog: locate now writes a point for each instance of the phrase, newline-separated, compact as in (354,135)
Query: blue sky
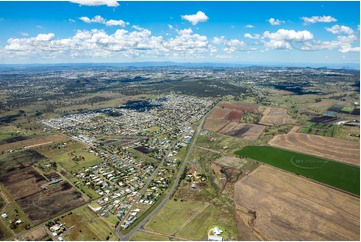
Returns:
(235,32)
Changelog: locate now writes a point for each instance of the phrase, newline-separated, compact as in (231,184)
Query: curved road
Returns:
(170,192)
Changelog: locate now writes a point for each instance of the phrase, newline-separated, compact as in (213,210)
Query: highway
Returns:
(170,192)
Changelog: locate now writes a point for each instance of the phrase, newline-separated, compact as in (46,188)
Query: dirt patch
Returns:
(36,235)
(215,124)
(326,147)
(240,106)
(230,161)
(275,116)
(242,130)
(55,200)
(23,182)
(281,206)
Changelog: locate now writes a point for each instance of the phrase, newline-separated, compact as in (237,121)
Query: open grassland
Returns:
(14,212)
(281,206)
(55,149)
(142,236)
(349,133)
(275,116)
(87,226)
(325,147)
(32,143)
(172,216)
(73,161)
(339,175)
(197,229)
(36,234)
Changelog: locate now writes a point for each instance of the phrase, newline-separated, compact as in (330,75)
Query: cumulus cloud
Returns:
(196,18)
(283,38)
(99,19)
(273,21)
(120,44)
(109,3)
(318,19)
(231,46)
(337,29)
(249,26)
(250,36)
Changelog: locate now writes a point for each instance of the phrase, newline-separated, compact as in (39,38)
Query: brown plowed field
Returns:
(215,124)
(275,116)
(325,147)
(242,130)
(218,113)
(234,116)
(46,204)
(23,182)
(282,206)
(240,106)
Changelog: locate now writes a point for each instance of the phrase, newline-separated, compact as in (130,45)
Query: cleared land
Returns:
(172,216)
(45,204)
(293,208)
(275,116)
(36,235)
(86,226)
(242,130)
(240,106)
(23,183)
(32,143)
(336,174)
(19,160)
(325,147)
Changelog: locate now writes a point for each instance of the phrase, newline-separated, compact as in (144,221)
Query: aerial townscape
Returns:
(204,142)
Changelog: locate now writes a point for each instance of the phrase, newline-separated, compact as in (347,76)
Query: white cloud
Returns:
(231,46)
(112,22)
(24,34)
(170,27)
(250,36)
(39,26)
(99,19)
(318,19)
(249,26)
(273,21)
(196,18)
(109,3)
(337,29)
(343,44)
(122,44)
(283,38)
(71,20)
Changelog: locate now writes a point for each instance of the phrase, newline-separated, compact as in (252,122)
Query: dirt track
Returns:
(282,206)
(325,147)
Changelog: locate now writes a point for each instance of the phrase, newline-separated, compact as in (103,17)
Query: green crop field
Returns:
(339,175)
(322,129)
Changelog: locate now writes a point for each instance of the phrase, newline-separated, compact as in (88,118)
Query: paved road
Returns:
(170,192)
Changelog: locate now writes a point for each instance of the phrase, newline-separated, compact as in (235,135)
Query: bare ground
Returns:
(275,116)
(242,130)
(326,147)
(281,206)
